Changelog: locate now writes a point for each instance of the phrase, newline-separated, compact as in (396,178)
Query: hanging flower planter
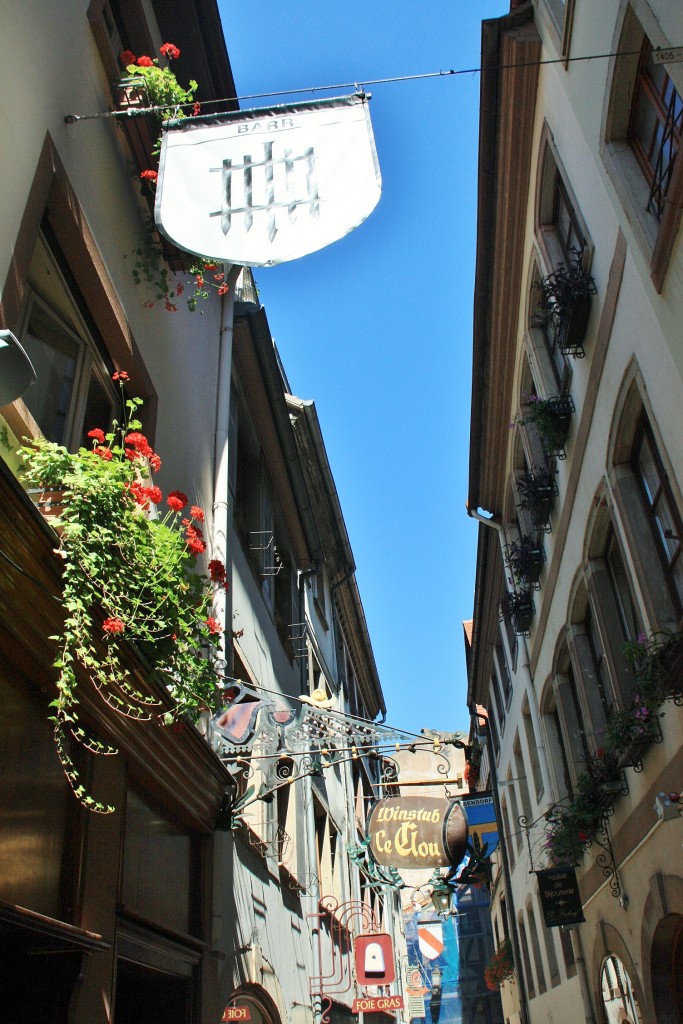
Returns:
(564,306)
(518,610)
(631,732)
(129,583)
(524,558)
(551,419)
(500,967)
(537,491)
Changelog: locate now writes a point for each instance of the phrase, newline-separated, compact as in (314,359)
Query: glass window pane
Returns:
(649,470)
(99,408)
(54,352)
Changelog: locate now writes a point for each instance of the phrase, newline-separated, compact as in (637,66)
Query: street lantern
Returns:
(437,980)
(441,896)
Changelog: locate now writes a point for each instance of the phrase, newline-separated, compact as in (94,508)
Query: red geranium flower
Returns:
(200,281)
(171,307)
(210,266)
(127,57)
(120,375)
(196,546)
(154,462)
(176,500)
(223,289)
(217,570)
(197,513)
(145,62)
(196,108)
(113,625)
(104,453)
(154,494)
(170,51)
(180,288)
(149,175)
(214,625)
(218,277)
(97,434)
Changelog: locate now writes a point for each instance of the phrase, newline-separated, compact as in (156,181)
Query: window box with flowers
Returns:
(501,967)
(551,419)
(129,581)
(537,491)
(151,94)
(524,558)
(518,610)
(657,664)
(574,824)
(564,306)
(631,732)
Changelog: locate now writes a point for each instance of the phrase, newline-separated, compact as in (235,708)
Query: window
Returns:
(536,946)
(73,392)
(531,989)
(643,121)
(618,1000)
(655,127)
(532,748)
(567,952)
(560,229)
(665,521)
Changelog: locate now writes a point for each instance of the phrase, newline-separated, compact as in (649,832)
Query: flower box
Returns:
(551,419)
(518,610)
(538,490)
(524,558)
(607,792)
(564,306)
(633,740)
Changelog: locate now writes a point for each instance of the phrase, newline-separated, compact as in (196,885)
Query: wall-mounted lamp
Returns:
(437,979)
(667,806)
(16,369)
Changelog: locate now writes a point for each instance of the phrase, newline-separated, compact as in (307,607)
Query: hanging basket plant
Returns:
(551,420)
(517,609)
(151,94)
(129,585)
(501,966)
(537,491)
(525,558)
(564,305)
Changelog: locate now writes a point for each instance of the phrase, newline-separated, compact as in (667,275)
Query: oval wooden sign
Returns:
(417,832)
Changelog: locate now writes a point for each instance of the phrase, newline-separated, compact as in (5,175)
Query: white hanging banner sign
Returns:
(260,187)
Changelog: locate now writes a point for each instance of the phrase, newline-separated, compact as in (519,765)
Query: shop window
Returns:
(72,393)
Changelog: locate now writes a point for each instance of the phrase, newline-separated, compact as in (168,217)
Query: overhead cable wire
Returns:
(359,85)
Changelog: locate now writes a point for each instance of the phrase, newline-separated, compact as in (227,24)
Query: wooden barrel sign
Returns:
(417,832)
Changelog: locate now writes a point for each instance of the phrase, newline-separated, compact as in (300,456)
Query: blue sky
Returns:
(377,328)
